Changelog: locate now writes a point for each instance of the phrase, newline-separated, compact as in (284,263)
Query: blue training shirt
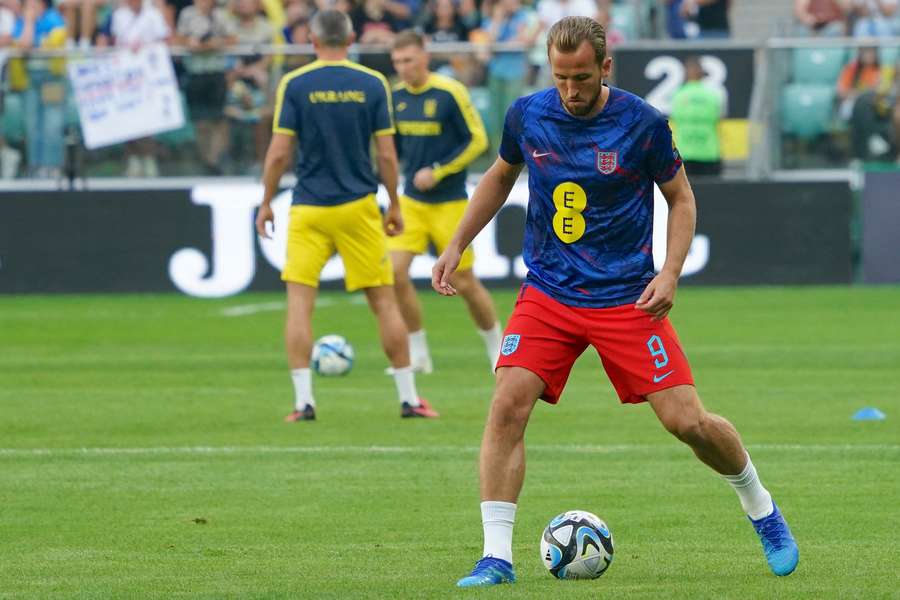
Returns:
(334,108)
(589,227)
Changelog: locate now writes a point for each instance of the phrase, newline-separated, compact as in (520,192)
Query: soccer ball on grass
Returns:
(577,545)
(332,355)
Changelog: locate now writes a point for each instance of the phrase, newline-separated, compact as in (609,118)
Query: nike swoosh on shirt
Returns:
(536,155)
(658,378)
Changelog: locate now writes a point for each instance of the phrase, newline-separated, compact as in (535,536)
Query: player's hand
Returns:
(424,179)
(393,220)
(264,215)
(442,271)
(659,296)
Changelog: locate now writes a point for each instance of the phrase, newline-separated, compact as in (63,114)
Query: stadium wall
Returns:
(201,241)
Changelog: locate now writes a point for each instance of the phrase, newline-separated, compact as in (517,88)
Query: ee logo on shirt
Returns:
(570,200)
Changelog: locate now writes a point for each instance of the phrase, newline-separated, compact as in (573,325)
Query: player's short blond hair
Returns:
(406,38)
(569,33)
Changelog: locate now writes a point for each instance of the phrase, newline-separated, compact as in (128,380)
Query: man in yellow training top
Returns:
(335,107)
(439,135)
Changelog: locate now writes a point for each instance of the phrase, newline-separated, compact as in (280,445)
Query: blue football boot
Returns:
(781,550)
(489,571)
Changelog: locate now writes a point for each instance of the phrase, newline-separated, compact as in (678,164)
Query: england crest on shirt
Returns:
(607,161)
(510,344)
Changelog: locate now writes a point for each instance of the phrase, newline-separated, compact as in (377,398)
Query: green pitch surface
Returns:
(144,455)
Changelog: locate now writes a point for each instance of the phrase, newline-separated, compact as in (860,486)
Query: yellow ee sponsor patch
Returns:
(570,200)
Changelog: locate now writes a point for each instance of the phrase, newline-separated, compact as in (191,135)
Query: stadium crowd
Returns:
(228,70)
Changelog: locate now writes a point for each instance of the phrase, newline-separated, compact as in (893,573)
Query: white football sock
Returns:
(491,339)
(755,499)
(418,347)
(406,386)
(302,388)
(498,518)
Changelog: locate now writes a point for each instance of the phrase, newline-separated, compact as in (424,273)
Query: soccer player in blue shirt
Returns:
(593,154)
(335,108)
(439,133)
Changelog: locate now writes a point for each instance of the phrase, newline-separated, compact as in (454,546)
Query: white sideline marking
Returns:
(559,448)
(242,310)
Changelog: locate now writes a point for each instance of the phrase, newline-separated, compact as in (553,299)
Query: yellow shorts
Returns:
(425,222)
(354,230)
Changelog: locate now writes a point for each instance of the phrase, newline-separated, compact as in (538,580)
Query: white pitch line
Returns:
(544,448)
(242,310)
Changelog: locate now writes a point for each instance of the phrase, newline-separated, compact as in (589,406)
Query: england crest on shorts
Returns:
(607,162)
(510,344)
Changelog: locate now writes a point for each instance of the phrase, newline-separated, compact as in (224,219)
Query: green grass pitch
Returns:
(143,455)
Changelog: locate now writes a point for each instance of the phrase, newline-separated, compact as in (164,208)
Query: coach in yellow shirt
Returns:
(334,108)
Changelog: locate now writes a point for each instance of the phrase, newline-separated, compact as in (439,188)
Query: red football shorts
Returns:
(640,356)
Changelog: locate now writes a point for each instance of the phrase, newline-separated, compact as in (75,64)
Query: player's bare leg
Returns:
(298,342)
(716,442)
(481,308)
(407,298)
(713,439)
(392,330)
(502,459)
(502,471)
(411,309)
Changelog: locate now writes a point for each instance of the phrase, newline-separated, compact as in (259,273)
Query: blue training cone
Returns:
(869,414)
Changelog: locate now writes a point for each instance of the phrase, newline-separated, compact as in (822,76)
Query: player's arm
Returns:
(278,158)
(659,296)
(386,159)
(466,118)
(492,191)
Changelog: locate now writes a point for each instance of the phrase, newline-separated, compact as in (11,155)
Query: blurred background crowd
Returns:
(832,104)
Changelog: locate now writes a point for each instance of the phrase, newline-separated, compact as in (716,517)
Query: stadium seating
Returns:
(818,65)
(807,109)
(887,55)
(12,121)
(624,18)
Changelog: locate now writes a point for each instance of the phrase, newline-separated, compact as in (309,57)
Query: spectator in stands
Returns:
(508,22)
(81,19)
(675,21)
(873,18)
(549,12)
(41,26)
(442,23)
(821,17)
(614,37)
(373,23)
(296,12)
(9,156)
(857,77)
(876,116)
(697,110)
(206,30)
(711,16)
(133,24)
(248,85)
(297,31)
